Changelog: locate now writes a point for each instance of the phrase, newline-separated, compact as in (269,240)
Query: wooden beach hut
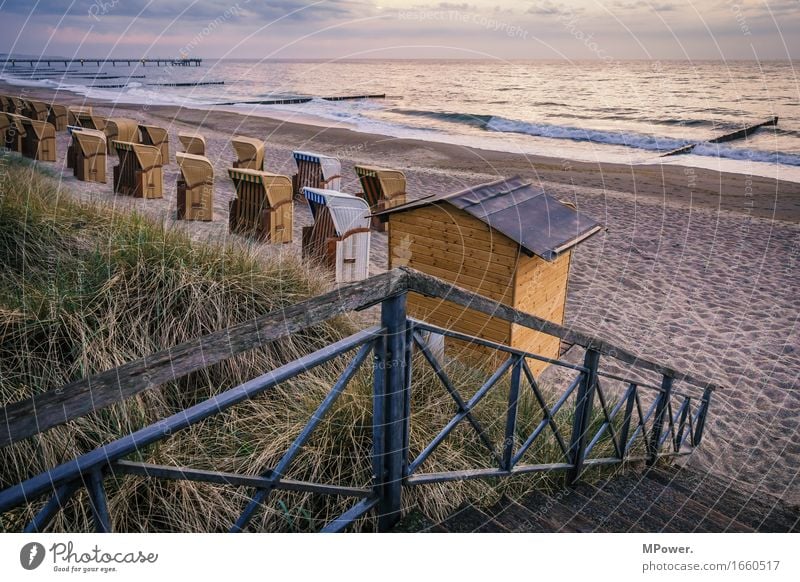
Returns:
(121,129)
(249,153)
(87,154)
(340,235)
(140,172)
(382,189)
(193,143)
(39,141)
(195,188)
(316,171)
(508,240)
(153,135)
(263,205)
(57,115)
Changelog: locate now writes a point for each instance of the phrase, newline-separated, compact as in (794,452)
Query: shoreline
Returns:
(755,195)
(697,268)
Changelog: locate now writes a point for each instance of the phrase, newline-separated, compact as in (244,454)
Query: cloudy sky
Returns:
(505,29)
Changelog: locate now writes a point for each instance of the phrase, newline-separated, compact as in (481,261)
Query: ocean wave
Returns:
(628,139)
(733,153)
(464,118)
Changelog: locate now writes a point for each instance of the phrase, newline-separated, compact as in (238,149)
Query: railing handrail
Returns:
(43,411)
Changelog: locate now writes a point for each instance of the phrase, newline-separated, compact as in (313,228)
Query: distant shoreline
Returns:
(674,185)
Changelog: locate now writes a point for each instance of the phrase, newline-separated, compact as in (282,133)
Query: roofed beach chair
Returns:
(383,189)
(263,205)
(15,132)
(57,115)
(193,143)
(37,110)
(88,153)
(39,141)
(249,153)
(156,136)
(316,171)
(5,104)
(74,110)
(140,172)
(121,129)
(84,117)
(195,188)
(340,235)
(5,124)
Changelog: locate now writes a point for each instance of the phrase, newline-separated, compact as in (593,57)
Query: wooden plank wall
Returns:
(448,243)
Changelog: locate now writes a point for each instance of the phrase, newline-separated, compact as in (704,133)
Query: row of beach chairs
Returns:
(339,237)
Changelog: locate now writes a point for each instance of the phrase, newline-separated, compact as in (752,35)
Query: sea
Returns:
(631,112)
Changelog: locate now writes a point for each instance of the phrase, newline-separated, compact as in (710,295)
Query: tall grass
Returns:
(84,288)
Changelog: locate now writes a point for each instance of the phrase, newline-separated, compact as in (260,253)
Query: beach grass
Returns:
(85,288)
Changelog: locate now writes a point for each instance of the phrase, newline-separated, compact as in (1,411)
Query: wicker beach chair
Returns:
(383,189)
(88,119)
(263,205)
(193,143)
(74,110)
(39,141)
(316,171)
(155,136)
(88,153)
(57,115)
(5,124)
(340,235)
(140,172)
(195,188)
(121,129)
(5,104)
(15,133)
(249,153)
(38,110)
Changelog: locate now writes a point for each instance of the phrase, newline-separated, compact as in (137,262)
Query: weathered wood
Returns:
(427,285)
(54,407)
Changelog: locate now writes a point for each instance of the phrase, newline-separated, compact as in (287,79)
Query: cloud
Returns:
(548,8)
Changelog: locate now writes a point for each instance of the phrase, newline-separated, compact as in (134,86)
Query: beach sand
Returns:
(697,269)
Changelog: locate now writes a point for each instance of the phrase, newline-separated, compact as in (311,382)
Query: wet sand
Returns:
(698,269)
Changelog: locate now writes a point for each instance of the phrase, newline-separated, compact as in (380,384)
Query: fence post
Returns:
(583,413)
(658,421)
(701,420)
(390,403)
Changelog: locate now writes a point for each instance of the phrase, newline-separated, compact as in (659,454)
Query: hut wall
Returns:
(448,243)
(541,290)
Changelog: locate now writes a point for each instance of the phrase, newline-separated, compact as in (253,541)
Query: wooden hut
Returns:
(249,153)
(155,136)
(121,129)
(340,235)
(140,172)
(507,240)
(39,141)
(88,155)
(263,205)
(316,171)
(195,188)
(193,143)
(383,189)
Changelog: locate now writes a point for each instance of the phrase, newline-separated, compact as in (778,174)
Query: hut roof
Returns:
(539,223)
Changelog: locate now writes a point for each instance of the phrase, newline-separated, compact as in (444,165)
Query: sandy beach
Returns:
(697,268)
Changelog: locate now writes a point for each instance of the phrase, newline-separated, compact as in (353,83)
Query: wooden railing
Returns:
(673,418)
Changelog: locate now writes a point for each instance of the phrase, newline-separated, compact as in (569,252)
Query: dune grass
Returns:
(85,288)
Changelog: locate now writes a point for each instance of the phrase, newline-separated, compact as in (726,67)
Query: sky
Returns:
(342,29)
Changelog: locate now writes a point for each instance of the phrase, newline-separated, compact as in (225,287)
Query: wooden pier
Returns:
(112,62)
